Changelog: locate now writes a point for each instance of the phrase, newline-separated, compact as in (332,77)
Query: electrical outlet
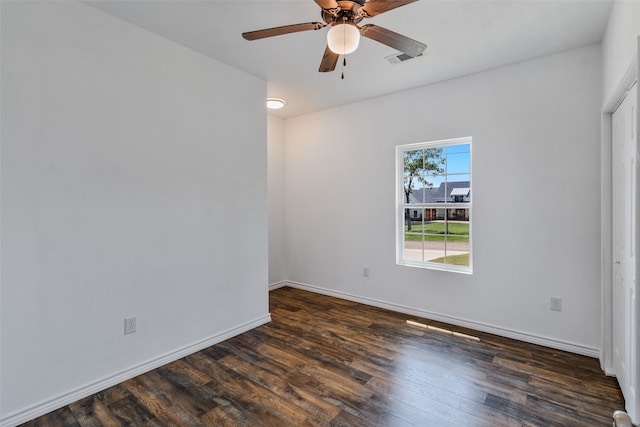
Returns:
(556,304)
(129,325)
(365,271)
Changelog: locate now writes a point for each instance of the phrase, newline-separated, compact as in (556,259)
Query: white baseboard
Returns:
(277,285)
(57,402)
(478,326)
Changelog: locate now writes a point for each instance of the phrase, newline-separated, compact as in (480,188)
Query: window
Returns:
(434,205)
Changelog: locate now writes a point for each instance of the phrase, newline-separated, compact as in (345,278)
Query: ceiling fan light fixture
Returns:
(275,103)
(343,39)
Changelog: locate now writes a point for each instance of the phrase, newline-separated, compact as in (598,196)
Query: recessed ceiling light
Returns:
(275,103)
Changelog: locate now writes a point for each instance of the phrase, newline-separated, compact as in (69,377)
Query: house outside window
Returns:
(433,214)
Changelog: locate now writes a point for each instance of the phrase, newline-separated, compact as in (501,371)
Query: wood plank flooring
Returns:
(329,362)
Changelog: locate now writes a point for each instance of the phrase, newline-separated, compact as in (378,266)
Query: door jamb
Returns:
(606,234)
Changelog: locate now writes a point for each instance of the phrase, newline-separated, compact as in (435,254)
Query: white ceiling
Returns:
(463,37)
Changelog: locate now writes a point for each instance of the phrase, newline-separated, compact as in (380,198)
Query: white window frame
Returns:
(401,205)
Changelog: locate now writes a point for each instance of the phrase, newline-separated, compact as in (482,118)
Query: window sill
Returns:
(437,267)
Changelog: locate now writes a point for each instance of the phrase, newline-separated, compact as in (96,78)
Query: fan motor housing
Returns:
(348,10)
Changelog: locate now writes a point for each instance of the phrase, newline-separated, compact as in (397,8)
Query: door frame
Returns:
(606,218)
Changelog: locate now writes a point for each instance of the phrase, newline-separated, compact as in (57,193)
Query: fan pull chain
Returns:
(344,42)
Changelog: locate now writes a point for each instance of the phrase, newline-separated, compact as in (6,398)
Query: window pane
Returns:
(457,237)
(458,188)
(458,159)
(430,214)
(413,251)
(458,253)
(413,234)
(434,236)
(434,249)
(458,221)
(417,193)
(464,178)
(413,176)
(434,161)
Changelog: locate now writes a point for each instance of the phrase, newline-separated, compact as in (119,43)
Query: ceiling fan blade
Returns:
(397,41)
(376,7)
(286,29)
(329,60)
(327,4)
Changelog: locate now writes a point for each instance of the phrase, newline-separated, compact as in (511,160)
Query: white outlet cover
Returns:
(129,325)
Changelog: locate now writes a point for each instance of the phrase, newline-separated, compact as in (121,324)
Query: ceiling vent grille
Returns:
(400,57)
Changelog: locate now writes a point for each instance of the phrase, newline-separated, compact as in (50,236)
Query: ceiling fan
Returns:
(343,37)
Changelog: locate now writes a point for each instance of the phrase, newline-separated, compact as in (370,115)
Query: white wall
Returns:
(620,44)
(277,213)
(129,188)
(536,195)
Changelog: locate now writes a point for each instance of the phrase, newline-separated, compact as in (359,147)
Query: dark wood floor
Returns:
(328,362)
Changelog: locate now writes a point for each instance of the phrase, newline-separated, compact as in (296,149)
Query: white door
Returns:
(624,167)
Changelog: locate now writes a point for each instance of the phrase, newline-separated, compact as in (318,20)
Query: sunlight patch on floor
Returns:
(442,330)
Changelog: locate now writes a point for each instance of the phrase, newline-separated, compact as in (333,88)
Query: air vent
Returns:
(400,57)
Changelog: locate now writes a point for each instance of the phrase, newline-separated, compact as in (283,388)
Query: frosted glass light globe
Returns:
(343,39)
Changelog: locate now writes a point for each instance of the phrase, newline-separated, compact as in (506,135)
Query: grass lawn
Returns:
(434,232)
(462,259)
